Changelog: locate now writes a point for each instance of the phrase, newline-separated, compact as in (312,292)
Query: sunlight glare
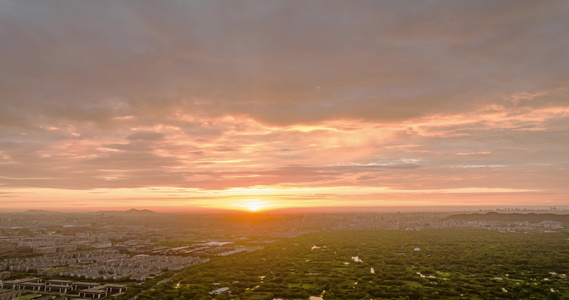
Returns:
(253,205)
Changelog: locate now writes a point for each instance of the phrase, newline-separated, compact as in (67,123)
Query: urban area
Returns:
(53,255)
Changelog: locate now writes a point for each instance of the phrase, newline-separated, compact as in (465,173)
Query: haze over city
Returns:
(255,105)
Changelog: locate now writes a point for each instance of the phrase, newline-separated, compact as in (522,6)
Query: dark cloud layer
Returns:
(281,62)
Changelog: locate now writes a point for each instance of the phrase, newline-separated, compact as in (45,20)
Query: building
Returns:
(67,248)
(57,288)
(93,293)
(4,275)
(219,291)
(32,286)
(14,284)
(88,290)
(59,282)
(112,289)
(44,250)
(9,294)
(84,285)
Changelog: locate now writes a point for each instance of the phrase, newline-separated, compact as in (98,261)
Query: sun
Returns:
(253,205)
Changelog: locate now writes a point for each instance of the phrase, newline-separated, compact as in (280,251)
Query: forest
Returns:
(431,264)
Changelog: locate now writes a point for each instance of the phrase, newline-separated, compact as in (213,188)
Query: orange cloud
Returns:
(305,104)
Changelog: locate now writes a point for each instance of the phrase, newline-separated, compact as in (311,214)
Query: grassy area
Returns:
(29,296)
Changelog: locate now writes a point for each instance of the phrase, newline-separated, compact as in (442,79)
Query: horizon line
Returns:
(319,209)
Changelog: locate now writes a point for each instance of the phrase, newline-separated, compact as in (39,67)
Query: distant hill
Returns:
(511,217)
(39,211)
(132,211)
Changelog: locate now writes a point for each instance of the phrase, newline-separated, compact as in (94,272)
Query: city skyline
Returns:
(250,105)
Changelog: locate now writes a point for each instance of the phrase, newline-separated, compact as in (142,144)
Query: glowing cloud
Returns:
(286,103)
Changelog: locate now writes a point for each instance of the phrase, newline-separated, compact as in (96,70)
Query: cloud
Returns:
(145,136)
(220,95)
(396,62)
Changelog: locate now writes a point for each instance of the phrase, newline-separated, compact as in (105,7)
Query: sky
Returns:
(182,105)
